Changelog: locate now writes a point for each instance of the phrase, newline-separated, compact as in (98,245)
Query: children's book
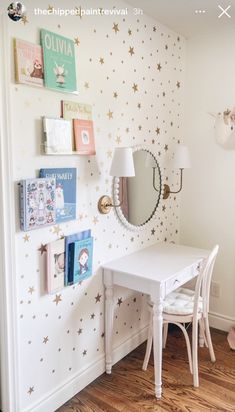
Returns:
(65,193)
(84,137)
(59,62)
(28,63)
(55,265)
(58,136)
(37,203)
(69,254)
(83,253)
(74,110)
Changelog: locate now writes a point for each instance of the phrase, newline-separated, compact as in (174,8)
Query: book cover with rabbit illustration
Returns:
(65,192)
(28,63)
(59,62)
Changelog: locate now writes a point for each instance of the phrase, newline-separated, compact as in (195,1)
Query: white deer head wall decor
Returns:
(225,128)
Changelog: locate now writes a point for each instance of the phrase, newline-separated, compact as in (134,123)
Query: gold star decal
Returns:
(101,60)
(45,340)
(31,290)
(135,87)
(109,153)
(154,28)
(152,232)
(86,85)
(31,390)
(127,130)
(129,32)
(118,139)
(163,208)
(119,302)
(131,50)
(24,20)
(157,130)
(84,352)
(97,298)
(115,95)
(95,220)
(166,147)
(178,84)
(115,27)
(42,249)
(77,41)
(56,229)
(139,105)
(159,67)
(110,115)
(57,299)
(139,127)
(26,238)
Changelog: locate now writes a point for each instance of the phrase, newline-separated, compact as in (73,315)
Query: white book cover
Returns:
(58,136)
(55,265)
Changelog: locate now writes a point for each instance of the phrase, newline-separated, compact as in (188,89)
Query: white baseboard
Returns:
(53,400)
(220,322)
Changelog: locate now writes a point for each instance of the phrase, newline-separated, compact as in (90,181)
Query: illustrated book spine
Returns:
(66,182)
(55,265)
(37,203)
(84,136)
(71,239)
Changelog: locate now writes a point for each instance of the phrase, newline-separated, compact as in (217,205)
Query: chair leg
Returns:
(195,354)
(201,334)
(149,344)
(187,344)
(209,341)
(165,333)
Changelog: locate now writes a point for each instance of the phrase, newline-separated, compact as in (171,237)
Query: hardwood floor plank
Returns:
(130,389)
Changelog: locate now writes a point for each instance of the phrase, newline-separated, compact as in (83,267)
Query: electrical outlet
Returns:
(215,289)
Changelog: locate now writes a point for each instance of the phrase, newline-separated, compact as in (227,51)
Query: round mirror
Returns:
(140,194)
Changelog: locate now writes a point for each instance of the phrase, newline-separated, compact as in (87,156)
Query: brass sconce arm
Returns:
(105,202)
(166,188)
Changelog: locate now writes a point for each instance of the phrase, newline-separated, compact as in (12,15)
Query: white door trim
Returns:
(9,359)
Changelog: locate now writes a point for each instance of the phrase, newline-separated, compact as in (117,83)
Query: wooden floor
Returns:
(129,389)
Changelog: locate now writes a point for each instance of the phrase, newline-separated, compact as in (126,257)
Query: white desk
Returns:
(156,270)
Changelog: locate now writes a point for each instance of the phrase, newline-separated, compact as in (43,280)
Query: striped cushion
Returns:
(180,302)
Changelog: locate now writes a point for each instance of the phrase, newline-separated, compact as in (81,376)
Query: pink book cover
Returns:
(28,63)
(84,136)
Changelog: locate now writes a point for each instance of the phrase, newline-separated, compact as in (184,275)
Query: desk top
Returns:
(161,261)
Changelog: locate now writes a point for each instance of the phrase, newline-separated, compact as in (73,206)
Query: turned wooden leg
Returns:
(108,321)
(157,346)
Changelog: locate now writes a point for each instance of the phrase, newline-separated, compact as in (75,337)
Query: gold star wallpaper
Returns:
(130,70)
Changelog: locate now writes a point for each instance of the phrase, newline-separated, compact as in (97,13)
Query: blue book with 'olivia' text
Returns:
(66,179)
(82,262)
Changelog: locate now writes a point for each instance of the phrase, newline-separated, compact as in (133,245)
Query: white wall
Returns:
(51,371)
(208,198)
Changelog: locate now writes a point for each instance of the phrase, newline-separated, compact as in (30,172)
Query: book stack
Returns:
(69,260)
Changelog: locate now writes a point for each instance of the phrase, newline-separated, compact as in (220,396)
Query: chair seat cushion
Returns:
(180,302)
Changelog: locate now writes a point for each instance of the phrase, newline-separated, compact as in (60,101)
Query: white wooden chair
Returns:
(189,306)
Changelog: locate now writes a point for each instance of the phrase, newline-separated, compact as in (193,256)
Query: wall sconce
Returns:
(150,161)
(180,161)
(122,166)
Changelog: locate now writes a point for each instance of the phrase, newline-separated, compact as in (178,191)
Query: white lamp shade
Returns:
(122,163)
(181,158)
(150,161)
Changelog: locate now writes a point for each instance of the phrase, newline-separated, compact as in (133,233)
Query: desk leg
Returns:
(157,346)
(108,326)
